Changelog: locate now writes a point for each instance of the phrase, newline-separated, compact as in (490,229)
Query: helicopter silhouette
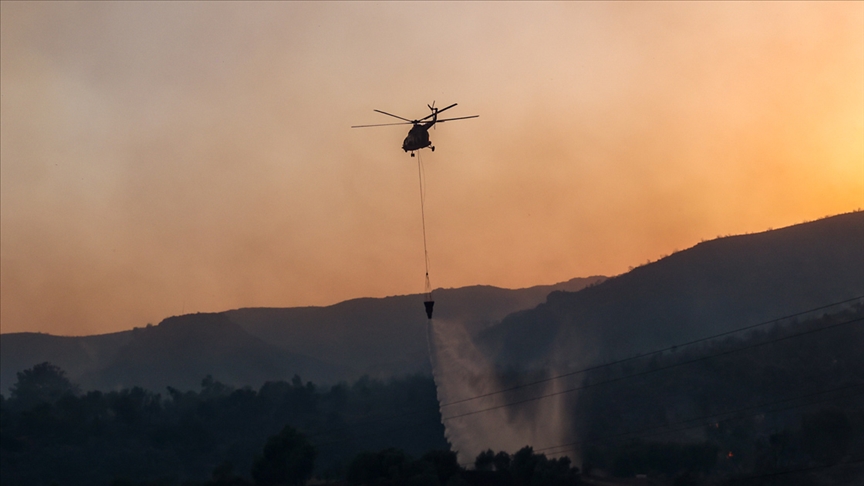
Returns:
(418,136)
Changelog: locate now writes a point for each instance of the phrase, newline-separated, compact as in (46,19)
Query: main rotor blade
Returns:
(439,111)
(459,118)
(383,124)
(394,116)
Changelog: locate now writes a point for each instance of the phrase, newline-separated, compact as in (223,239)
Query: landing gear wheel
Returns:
(412,154)
(433,148)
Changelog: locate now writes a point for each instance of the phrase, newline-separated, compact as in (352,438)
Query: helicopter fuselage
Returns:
(418,137)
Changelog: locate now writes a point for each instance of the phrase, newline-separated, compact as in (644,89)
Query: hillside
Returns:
(385,337)
(181,350)
(380,337)
(715,286)
(777,398)
(81,356)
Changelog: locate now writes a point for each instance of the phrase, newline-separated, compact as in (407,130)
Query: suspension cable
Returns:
(420,173)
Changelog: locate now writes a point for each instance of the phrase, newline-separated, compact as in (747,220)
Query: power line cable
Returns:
(798,471)
(651,353)
(570,446)
(592,368)
(675,365)
(655,370)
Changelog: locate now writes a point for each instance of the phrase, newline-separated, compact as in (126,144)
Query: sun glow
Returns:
(168,157)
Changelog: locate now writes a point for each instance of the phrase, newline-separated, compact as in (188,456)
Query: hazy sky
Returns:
(162,157)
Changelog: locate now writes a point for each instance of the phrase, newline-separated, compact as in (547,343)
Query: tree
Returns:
(501,461)
(826,434)
(485,461)
(44,383)
(288,458)
(389,464)
(524,464)
(444,462)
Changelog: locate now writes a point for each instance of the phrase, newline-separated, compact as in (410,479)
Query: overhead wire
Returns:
(649,431)
(655,370)
(391,416)
(612,363)
(857,460)
(643,432)
(651,353)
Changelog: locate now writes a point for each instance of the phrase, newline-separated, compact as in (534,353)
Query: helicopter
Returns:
(418,136)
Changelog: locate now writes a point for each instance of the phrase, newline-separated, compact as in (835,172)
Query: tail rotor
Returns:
(434,112)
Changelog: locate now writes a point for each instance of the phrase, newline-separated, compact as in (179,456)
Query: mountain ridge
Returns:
(393,343)
(711,287)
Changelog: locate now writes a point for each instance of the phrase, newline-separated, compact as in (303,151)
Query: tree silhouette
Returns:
(44,383)
(288,459)
(369,467)
(444,463)
(485,461)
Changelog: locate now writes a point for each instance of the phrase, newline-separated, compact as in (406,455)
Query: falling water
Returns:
(462,371)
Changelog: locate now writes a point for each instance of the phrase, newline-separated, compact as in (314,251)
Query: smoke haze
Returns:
(160,158)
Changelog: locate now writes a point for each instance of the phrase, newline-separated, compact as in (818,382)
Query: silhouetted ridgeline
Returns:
(715,286)
(712,421)
(784,405)
(386,337)
(377,337)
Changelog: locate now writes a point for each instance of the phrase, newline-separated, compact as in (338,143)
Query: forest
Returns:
(93,437)
(779,405)
(51,433)
(786,397)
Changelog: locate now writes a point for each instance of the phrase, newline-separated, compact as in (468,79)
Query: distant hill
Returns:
(181,350)
(77,355)
(717,285)
(380,337)
(386,337)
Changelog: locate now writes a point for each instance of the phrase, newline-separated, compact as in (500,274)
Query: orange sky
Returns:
(166,157)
